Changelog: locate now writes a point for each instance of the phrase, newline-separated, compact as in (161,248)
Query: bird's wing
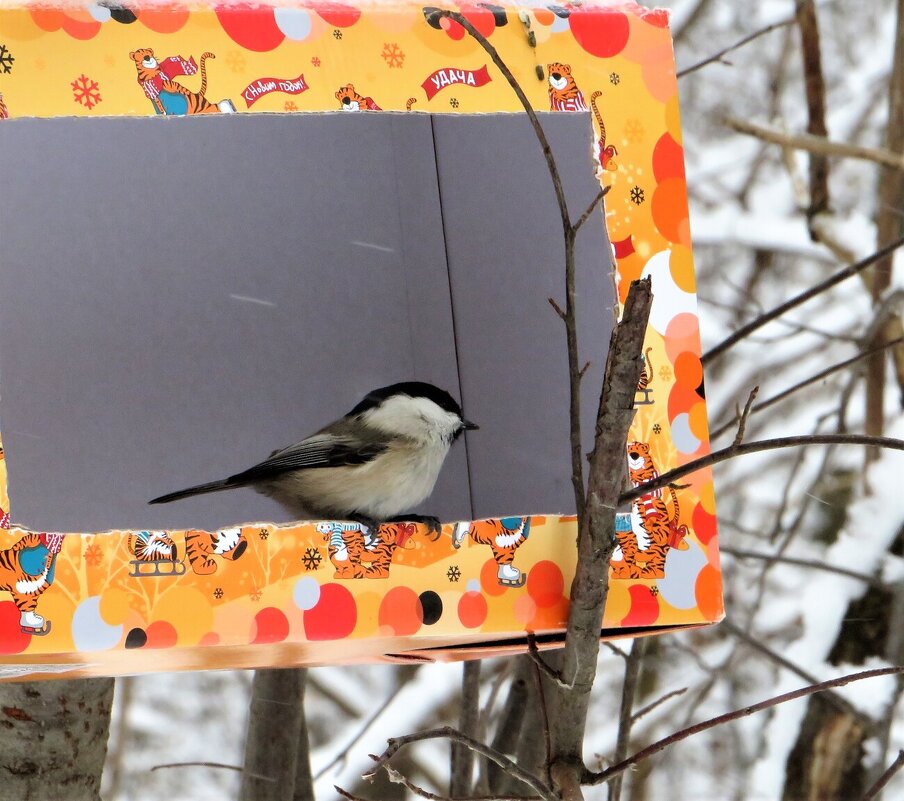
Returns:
(320,450)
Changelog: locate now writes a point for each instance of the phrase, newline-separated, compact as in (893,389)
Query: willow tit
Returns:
(371,465)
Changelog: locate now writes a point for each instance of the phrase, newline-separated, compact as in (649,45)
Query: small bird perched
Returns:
(371,465)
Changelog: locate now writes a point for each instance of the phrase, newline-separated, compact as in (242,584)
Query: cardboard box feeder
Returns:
(177,296)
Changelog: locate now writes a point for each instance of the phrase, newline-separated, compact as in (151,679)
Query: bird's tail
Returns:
(201,489)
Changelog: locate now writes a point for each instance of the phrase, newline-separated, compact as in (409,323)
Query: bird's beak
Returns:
(469,426)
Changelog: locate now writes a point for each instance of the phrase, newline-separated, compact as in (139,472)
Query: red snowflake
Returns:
(392,54)
(86,91)
(289,105)
(94,555)
(315,61)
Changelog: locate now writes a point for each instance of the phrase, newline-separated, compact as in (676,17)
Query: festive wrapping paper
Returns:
(314,593)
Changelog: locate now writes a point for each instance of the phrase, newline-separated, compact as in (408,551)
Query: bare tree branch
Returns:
(534,653)
(361,732)
(593,204)
(797,300)
(832,698)
(589,587)
(448,733)
(818,145)
(780,396)
(651,706)
(885,778)
(570,231)
(462,767)
(217,765)
(888,225)
(625,718)
(811,563)
(678,736)
(398,778)
(742,418)
(756,447)
(740,43)
(271,752)
(814,82)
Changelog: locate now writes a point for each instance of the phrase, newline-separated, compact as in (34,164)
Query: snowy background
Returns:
(752,251)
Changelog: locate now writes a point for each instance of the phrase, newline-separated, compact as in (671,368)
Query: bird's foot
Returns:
(369,523)
(432,523)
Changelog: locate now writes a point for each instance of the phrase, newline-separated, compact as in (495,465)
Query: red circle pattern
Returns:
(333,616)
(601,32)
(401,611)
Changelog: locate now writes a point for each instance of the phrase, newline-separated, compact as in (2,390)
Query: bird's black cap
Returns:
(414,389)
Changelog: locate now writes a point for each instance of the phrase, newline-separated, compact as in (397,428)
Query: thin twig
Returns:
(544,711)
(448,733)
(807,382)
(397,778)
(885,778)
(816,144)
(593,204)
(360,733)
(218,765)
(742,421)
(348,795)
(740,43)
(660,745)
(840,703)
(525,103)
(812,563)
(797,300)
(538,660)
(570,232)
(615,649)
(651,706)
(557,308)
(756,447)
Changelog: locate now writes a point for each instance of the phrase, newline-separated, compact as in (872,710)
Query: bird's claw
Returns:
(432,524)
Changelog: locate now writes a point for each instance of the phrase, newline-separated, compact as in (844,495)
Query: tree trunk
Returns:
(53,738)
(275,725)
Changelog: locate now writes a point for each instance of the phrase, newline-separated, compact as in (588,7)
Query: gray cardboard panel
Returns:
(180,297)
(512,349)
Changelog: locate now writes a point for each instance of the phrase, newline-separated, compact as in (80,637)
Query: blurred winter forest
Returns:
(812,539)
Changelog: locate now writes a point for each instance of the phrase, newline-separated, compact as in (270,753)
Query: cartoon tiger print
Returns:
(645,374)
(602,152)
(350,548)
(504,536)
(4,112)
(26,571)
(660,531)
(154,81)
(564,94)
(150,546)
(201,547)
(350,100)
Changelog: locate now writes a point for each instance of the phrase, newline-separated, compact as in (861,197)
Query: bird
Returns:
(371,466)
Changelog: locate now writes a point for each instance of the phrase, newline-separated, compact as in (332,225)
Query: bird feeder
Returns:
(221,226)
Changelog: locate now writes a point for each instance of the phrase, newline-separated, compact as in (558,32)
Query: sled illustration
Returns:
(139,568)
